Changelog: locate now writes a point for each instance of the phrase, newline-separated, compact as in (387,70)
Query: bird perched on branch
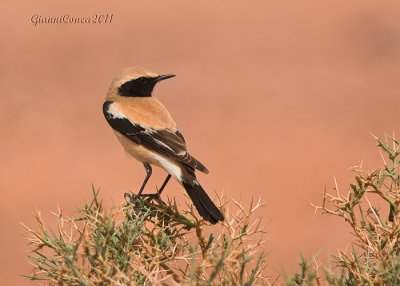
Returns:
(148,133)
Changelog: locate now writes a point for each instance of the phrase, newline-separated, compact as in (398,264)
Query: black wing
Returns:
(165,142)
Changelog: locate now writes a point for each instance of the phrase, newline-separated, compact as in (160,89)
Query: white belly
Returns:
(145,155)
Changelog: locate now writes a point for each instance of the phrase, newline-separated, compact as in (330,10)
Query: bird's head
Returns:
(135,82)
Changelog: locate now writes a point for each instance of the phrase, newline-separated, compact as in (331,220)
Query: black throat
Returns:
(140,87)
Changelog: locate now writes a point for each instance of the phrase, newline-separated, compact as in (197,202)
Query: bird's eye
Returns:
(142,80)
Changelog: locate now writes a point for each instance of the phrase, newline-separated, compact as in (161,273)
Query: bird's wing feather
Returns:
(164,141)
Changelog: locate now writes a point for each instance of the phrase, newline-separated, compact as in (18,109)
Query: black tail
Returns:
(204,205)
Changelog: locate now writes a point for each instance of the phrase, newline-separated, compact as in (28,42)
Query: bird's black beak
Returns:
(164,76)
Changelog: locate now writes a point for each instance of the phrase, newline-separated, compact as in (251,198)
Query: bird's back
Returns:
(146,111)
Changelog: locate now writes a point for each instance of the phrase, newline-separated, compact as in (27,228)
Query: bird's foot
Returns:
(156,196)
(151,197)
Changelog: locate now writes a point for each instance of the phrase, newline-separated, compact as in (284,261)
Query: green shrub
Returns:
(148,243)
(374,255)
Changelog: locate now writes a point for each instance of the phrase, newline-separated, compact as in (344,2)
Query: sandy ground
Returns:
(275,98)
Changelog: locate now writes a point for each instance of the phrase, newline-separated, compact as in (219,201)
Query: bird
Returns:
(148,133)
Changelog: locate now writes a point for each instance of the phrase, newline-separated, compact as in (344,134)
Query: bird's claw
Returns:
(134,198)
(152,197)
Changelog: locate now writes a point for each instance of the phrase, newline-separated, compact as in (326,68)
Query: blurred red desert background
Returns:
(275,98)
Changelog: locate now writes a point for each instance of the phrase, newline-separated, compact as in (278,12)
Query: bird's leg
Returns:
(158,194)
(164,184)
(148,171)
(133,197)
